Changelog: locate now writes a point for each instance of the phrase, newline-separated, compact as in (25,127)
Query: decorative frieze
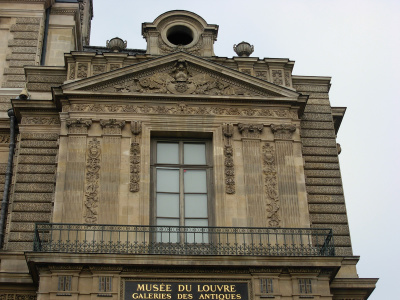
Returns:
(271,185)
(4,138)
(17,297)
(71,71)
(92,181)
(183,109)
(283,131)
(287,78)
(227,130)
(40,120)
(98,69)
(136,128)
(78,125)
(112,126)
(250,130)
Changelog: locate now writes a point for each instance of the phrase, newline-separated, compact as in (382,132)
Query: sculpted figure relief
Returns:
(180,80)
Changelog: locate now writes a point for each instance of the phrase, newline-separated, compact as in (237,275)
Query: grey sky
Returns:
(357,43)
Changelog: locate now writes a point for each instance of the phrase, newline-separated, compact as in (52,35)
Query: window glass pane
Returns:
(167,234)
(168,180)
(194,154)
(195,206)
(195,181)
(199,235)
(168,153)
(168,205)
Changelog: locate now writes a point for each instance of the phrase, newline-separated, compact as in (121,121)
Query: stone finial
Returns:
(116,44)
(243,49)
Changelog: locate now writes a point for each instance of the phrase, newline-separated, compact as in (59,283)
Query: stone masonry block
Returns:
(24,27)
(323,181)
(26,35)
(37,160)
(319,151)
(343,251)
(42,169)
(325,198)
(39,136)
(24,50)
(14,71)
(41,87)
(33,197)
(327,208)
(28,20)
(21,56)
(317,95)
(318,133)
(15,77)
(321,159)
(19,246)
(338,229)
(317,117)
(23,43)
(325,190)
(322,173)
(312,142)
(321,109)
(342,241)
(22,226)
(21,63)
(34,187)
(21,236)
(38,144)
(13,84)
(42,178)
(328,219)
(29,217)
(321,166)
(316,125)
(34,207)
(38,151)
(47,79)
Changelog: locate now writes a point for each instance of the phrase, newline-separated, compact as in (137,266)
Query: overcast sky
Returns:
(357,43)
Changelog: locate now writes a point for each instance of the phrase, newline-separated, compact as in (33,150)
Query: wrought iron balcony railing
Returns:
(182,240)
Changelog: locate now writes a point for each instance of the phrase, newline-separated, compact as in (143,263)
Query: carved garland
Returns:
(92,181)
(271,185)
(227,130)
(136,128)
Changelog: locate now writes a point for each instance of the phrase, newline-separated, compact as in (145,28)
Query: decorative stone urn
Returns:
(116,44)
(243,49)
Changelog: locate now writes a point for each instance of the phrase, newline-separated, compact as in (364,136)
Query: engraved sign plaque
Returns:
(167,290)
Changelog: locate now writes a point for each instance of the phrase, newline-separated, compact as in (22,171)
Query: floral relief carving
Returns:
(283,131)
(287,78)
(98,69)
(136,128)
(4,138)
(227,130)
(250,130)
(71,75)
(271,185)
(92,181)
(112,126)
(78,125)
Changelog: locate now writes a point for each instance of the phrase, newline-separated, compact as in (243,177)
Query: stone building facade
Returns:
(165,173)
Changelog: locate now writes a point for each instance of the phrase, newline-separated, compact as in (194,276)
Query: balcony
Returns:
(182,240)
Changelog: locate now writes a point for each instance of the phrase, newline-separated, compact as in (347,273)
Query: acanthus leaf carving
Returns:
(112,126)
(78,125)
(134,185)
(227,130)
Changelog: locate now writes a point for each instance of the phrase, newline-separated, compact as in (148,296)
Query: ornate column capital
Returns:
(78,125)
(250,130)
(283,131)
(112,126)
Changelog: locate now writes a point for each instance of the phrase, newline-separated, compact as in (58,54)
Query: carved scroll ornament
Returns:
(250,130)
(136,128)
(227,130)
(283,131)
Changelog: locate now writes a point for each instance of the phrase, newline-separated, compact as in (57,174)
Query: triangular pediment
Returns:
(179,74)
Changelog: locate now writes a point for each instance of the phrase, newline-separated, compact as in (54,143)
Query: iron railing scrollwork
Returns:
(182,240)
